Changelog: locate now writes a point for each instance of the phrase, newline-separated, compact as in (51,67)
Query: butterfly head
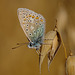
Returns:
(34,45)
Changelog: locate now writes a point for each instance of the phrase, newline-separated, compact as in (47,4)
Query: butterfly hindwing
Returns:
(33,24)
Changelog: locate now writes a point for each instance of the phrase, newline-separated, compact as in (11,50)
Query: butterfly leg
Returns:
(38,52)
(48,39)
(40,58)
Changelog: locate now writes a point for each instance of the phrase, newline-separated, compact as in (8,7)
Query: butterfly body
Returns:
(33,25)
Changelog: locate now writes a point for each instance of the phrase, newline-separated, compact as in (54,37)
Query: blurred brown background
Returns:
(25,61)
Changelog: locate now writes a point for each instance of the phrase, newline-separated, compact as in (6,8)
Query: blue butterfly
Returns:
(33,25)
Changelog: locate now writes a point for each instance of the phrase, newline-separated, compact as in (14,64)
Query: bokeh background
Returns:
(25,61)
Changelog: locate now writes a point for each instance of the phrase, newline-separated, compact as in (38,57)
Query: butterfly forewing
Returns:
(33,24)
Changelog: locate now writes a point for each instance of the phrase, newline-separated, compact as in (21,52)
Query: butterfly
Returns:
(33,25)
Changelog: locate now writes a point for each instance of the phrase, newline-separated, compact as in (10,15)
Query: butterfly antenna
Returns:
(16,47)
(20,44)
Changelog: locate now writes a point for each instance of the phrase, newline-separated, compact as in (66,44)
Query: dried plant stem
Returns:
(65,51)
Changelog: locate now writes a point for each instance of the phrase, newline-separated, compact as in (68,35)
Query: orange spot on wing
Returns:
(26,16)
(37,17)
(29,15)
(33,16)
(41,20)
(24,19)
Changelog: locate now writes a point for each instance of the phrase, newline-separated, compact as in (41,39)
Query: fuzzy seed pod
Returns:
(70,65)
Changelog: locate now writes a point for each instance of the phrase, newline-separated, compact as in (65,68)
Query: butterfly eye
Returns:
(30,44)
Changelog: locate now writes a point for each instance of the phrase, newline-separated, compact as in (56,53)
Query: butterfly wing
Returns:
(33,24)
